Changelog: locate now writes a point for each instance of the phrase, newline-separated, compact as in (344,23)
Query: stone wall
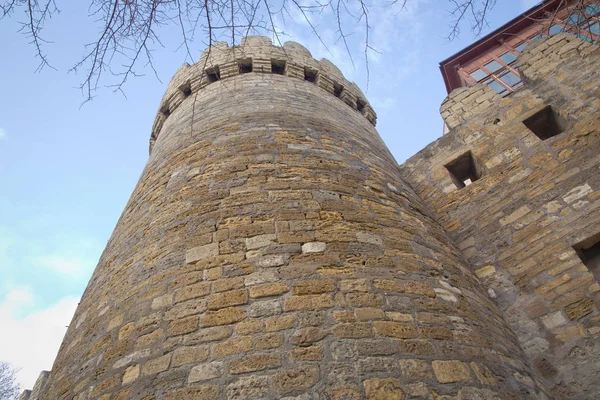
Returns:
(271,249)
(38,389)
(519,224)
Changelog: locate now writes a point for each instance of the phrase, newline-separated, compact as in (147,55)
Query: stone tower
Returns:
(271,249)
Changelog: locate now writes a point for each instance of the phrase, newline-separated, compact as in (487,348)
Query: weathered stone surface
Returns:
(534,207)
(228,299)
(202,252)
(313,286)
(189,355)
(268,290)
(274,249)
(416,369)
(383,389)
(247,388)
(307,336)
(223,316)
(208,335)
(451,371)
(314,247)
(193,393)
(396,330)
(255,362)
(264,308)
(236,345)
(157,365)
(131,374)
(205,372)
(297,379)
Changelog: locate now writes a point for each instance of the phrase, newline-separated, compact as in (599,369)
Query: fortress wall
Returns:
(272,250)
(537,200)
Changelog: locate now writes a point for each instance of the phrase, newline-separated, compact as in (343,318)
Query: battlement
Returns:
(257,54)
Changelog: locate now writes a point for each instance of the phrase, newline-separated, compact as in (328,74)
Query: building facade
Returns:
(491,60)
(273,248)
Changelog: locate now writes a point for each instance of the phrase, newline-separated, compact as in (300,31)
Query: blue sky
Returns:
(66,170)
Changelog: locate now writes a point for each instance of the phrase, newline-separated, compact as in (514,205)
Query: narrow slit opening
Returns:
(212,74)
(360,105)
(278,67)
(337,90)
(186,89)
(310,75)
(245,66)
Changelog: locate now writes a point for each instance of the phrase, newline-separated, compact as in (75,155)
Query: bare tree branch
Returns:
(9,388)
(129,30)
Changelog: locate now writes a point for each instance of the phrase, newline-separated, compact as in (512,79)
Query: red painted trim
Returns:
(448,67)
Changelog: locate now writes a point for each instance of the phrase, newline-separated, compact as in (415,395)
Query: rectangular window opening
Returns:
(186,89)
(589,253)
(337,90)
(245,66)
(546,123)
(310,75)
(464,170)
(278,67)
(212,74)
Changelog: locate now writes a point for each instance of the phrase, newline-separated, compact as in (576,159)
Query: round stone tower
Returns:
(271,250)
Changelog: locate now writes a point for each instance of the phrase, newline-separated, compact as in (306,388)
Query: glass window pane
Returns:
(594,28)
(592,9)
(493,66)
(587,39)
(478,75)
(521,47)
(554,29)
(510,78)
(517,85)
(575,19)
(496,86)
(508,57)
(538,36)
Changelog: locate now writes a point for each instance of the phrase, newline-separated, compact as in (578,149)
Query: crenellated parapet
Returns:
(257,54)
(39,388)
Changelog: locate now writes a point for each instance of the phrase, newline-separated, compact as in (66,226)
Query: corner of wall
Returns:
(465,102)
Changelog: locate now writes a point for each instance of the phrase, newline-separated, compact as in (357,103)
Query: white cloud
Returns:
(31,343)
(2,133)
(68,265)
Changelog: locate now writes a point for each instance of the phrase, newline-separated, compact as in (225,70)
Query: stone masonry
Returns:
(536,199)
(273,248)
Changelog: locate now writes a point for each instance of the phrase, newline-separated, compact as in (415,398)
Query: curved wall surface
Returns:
(271,250)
